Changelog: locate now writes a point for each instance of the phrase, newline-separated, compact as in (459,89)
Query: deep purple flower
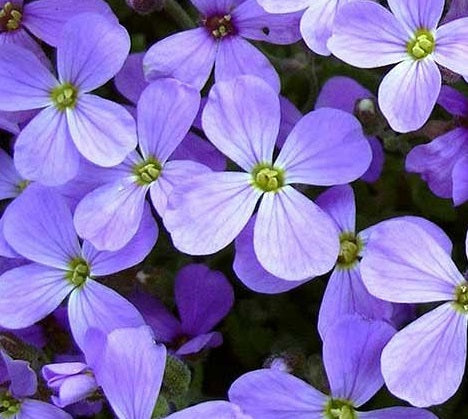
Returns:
(443,163)
(110,215)
(351,355)
(367,35)
(15,401)
(407,264)
(293,238)
(203,298)
(129,366)
(72,121)
(457,9)
(144,7)
(316,22)
(39,227)
(44,19)
(220,42)
(348,95)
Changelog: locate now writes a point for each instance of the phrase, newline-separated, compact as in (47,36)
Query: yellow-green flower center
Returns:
(21,186)
(9,406)
(78,271)
(10,17)
(268,178)
(219,26)
(64,96)
(339,409)
(461,298)
(147,172)
(350,248)
(422,45)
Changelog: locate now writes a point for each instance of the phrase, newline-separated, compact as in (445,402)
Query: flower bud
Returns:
(144,7)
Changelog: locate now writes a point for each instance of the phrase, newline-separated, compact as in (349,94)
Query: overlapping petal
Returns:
(207,212)
(274,394)
(326,147)
(293,238)
(166,110)
(246,137)
(414,15)
(424,363)
(452,46)
(404,264)
(88,65)
(188,56)
(408,94)
(237,57)
(367,35)
(351,355)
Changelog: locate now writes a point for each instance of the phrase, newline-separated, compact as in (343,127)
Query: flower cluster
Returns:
(143,173)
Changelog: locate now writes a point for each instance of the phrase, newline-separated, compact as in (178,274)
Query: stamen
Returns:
(78,271)
(350,248)
(10,17)
(268,178)
(64,96)
(147,172)
(219,26)
(422,45)
(461,298)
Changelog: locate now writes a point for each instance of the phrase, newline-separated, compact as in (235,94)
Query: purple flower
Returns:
(44,19)
(443,163)
(457,9)
(72,381)
(39,227)
(129,366)
(72,121)
(110,215)
(203,298)
(15,402)
(144,7)
(367,35)
(218,409)
(351,355)
(405,263)
(348,95)
(220,41)
(293,238)
(316,22)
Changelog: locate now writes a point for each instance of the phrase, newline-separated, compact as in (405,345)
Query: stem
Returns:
(178,14)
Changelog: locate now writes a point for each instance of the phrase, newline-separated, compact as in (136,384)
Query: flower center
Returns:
(64,96)
(147,172)
(9,406)
(422,45)
(21,186)
(10,17)
(461,298)
(78,271)
(339,409)
(268,178)
(350,247)
(219,26)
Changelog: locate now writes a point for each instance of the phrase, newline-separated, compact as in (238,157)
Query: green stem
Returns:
(178,14)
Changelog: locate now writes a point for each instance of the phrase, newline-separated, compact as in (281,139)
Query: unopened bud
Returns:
(144,7)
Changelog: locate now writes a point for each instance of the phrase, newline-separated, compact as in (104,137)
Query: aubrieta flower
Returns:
(39,227)
(407,264)
(316,22)
(144,7)
(15,401)
(367,35)
(220,42)
(203,298)
(129,366)
(351,355)
(443,163)
(72,121)
(348,95)
(110,215)
(293,238)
